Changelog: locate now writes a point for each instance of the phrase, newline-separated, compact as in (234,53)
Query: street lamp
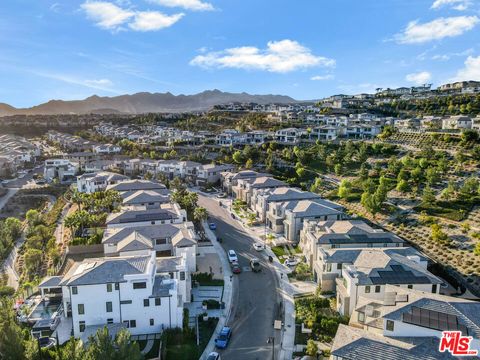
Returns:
(271,340)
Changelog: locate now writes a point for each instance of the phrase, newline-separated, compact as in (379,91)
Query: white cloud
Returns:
(99,82)
(448,56)
(416,33)
(471,71)
(279,56)
(195,5)
(109,16)
(106,15)
(459,5)
(419,78)
(153,20)
(322,77)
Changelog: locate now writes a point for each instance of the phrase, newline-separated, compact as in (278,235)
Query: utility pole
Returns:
(271,340)
(198,333)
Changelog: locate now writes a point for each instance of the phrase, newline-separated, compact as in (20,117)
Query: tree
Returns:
(317,186)
(72,350)
(403,186)
(200,214)
(14,227)
(428,196)
(370,203)
(11,336)
(33,218)
(33,260)
(238,157)
(345,189)
(438,235)
(77,198)
(312,348)
(449,191)
(469,189)
(249,164)
(103,347)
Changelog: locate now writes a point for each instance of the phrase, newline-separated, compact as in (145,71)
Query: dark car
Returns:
(223,338)
(236,269)
(255,265)
(212,226)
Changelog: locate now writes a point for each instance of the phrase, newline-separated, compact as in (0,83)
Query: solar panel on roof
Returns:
(433,320)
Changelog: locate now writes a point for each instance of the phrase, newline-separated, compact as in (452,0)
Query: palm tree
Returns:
(77,198)
(200,214)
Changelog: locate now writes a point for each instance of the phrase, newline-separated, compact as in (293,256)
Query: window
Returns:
(152,322)
(160,241)
(126,323)
(117,286)
(125,302)
(158,301)
(109,287)
(109,321)
(182,275)
(74,290)
(329,267)
(377,288)
(410,286)
(81,325)
(152,222)
(133,323)
(367,289)
(140,285)
(434,288)
(146,302)
(361,317)
(81,309)
(108,305)
(339,266)
(390,325)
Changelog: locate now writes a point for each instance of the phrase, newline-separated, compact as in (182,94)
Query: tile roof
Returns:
(105,270)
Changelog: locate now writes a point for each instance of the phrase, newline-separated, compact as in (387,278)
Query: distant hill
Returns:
(144,102)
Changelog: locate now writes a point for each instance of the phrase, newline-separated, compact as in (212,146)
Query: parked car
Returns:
(232,256)
(40,182)
(213,356)
(255,265)
(222,195)
(223,338)
(291,261)
(212,226)
(236,269)
(258,246)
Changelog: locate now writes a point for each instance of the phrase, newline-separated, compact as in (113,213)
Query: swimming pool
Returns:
(43,310)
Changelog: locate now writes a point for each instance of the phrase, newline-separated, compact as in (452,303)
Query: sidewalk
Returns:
(227,290)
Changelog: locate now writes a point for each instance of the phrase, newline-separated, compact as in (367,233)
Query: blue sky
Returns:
(308,49)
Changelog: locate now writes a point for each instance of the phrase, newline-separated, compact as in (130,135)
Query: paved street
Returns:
(255,298)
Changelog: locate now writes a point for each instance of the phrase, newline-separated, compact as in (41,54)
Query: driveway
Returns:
(256,299)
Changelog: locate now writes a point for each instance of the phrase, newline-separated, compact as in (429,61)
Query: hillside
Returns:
(143,103)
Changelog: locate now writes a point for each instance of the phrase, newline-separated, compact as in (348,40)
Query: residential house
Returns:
(211,173)
(129,291)
(93,182)
(262,198)
(245,187)
(457,122)
(289,136)
(61,169)
(287,218)
(150,199)
(373,269)
(317,238)
(230,179)
(169,213)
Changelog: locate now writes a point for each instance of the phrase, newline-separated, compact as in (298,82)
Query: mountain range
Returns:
(143,102)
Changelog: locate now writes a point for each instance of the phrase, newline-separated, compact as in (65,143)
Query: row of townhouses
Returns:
(144,278)
(381,283)
(432,123)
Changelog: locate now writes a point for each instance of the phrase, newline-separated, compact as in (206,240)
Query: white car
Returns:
(213,356)
(258,246)
(291,261)
(232,256)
